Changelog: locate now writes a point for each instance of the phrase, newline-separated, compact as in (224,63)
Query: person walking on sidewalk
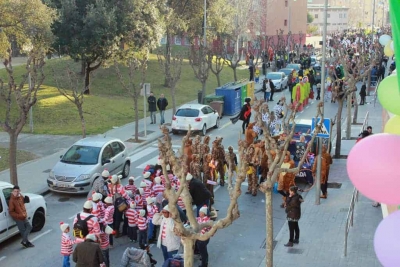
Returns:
(272,85)
(324,178)
(152,101)
(293,214)
(363,94)
(162,104)
(17,210)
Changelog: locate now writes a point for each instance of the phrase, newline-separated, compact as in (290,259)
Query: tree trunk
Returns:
(235,73)
(87,80)
(167,80)
(83,67)
(83,123)
(368,82)
(348,121)
(218,79)
(339,129)
(12,156)
(203,91)
(136,109)
(270,229)
(355,109)
(188,248)
(172,88)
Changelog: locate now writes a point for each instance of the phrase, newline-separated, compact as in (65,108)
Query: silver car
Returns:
(279,79)
(84,162)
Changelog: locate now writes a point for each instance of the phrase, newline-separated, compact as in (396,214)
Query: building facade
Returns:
(338,17)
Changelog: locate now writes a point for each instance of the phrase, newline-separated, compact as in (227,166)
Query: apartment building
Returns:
(338,17)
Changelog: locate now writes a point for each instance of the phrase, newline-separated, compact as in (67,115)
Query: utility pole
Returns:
(373,18)
(289,27)
(205,23)
(323,74)
(31,109)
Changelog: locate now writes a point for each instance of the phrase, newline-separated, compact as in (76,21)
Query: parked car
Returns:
(297,67)
(199,117)
(279,79)
(36,210)
(287,71)
(84,162)
(313,60)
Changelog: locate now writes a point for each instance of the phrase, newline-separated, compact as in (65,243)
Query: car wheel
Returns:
(126,169)
(203,130)
(217,123)
(174,131)
(38,221)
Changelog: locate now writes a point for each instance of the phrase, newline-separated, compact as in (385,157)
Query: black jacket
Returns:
(162,103)
(272,85)
(293,209)
(152,103)
(88,254)
(363,91)
(198,191)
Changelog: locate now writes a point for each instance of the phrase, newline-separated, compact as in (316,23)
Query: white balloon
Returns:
(392,46)
(384,39)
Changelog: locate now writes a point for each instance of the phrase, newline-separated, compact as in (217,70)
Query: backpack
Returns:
(81,229)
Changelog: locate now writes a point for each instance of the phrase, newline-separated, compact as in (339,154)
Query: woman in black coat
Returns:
(245,114)
(272,85)
(363,93)
(293,214)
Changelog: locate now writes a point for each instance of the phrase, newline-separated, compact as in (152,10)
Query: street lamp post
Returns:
(205,23)
(323,74)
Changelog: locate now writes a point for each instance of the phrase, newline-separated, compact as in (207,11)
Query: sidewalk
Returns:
(322,227)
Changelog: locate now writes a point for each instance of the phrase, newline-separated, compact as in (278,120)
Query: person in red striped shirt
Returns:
(139,199)
(109,216)
(132,215)
(98,207)
(131,185)
(142,225)
(157,187)
(105,244)
(66,244)
(151,210)
(92,224)
(147,189)
(202,245)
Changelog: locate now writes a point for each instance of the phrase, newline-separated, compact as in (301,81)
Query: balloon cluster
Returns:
(372,167)
(387,42)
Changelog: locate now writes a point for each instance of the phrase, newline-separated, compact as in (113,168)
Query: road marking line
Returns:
(72,217)
(3,258)
(148,162)
(143,153)
(136,178)
(225,125)
(42,234)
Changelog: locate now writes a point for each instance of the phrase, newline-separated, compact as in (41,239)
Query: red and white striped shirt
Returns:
(139,202)
(118,188)
(181,204)
(109,215)
(130,187)
(66,244)
(104,241)
(144,200)
(98,210)
(157,189)
(92,223)
(148,183)
(164,231)
(142,223)
(204,220)
(147,192)
(132,216)
(151,210)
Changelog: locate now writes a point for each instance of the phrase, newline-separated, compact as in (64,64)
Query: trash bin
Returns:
(210,98)
(232,98)
(250,91)
(244,91)
(199,97)
(218,106)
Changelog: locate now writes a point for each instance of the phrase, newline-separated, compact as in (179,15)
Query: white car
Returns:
(199,117)
(36,210)
(279,79)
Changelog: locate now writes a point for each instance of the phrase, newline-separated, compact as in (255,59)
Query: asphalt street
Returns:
(63,207)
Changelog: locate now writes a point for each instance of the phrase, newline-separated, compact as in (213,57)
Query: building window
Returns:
(344,15)
(340,16)
(329,15)
(285,22)
(163,40)
(178,40)
(316,16)
(286,3)
(187,42)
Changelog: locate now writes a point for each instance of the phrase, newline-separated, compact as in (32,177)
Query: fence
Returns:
(350,217)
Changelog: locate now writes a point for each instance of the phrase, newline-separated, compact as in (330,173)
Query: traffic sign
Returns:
(325,129)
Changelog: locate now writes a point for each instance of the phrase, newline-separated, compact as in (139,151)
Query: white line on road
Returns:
(136,178)
(3,258)
(42,234)
(143,153)
(73,216)
(225,125)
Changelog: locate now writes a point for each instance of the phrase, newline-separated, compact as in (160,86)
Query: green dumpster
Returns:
(211,98)
(244,92)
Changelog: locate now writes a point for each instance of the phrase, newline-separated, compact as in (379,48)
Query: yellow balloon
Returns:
(388,50)
(393,125)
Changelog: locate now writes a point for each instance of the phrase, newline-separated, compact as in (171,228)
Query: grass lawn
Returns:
(22,156)
(109,104)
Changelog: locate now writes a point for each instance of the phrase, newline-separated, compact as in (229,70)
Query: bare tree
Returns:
(172,69)
(137,64)
(74,93)
(216,59)
(232,59)
(201,66)
(21,98)
(276,150)
(190,234)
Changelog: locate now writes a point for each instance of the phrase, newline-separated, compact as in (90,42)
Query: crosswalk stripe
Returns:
(143,153)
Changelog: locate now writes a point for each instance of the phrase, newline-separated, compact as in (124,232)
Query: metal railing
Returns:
(365,122)
(350,217)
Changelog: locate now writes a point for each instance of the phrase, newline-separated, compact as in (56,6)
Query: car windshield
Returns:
(187,112)
(286,71)
(82,155)
(313,59)
(293,66)
(274,76)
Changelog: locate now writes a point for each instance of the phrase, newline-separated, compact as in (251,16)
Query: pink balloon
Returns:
(386,240)
(372,167)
